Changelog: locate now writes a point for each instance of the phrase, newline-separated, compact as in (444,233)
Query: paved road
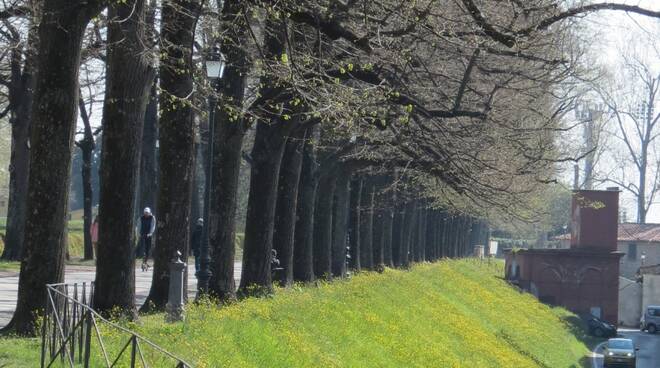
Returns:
(648,355)
(79,274)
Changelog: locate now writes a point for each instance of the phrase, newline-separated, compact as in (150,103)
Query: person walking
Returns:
(94,233)
(196,242)
(147,228)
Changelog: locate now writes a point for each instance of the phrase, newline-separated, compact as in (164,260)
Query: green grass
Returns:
(448,314)
(75,239)
(6,266)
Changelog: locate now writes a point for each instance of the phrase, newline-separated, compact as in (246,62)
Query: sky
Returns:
(611,32)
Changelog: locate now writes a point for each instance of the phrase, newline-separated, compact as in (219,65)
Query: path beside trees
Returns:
(79,274)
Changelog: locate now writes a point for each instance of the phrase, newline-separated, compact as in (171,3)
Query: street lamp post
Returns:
(215,67)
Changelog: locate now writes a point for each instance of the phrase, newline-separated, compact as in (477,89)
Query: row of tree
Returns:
(399,125)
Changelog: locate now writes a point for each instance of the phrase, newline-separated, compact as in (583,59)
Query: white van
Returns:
(651,319)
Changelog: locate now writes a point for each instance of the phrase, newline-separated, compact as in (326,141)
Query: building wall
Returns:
(630,302)
(578,280)
(651,290)
(630,263)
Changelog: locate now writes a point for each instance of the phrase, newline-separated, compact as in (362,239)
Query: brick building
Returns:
(585,277)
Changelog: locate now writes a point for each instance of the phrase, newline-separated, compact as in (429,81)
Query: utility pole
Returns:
(587,114)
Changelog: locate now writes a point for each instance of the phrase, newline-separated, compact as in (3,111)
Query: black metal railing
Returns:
(73,334)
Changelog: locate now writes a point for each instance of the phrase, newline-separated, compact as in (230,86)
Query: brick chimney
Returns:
(595,219)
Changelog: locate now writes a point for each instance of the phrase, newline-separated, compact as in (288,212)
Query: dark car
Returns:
(620,353)
(599,328)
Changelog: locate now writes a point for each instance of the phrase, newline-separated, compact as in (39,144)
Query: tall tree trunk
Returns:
(340,223)
(323,226)
(86,146)
(228,142)
(303,253)
(467,249)
(287,199)
(452,241)
(398,223)
(224,202)
(354,224)
(177,135)
(421,237)
(442,242)
(388,225)
(54,116)
(267,154)
(20,103)
(378,239)
(270,139)
(407,236)
(414,239)
(19,170)
(129,79)
(431,235)
(148,158)
(148,178)
(366,225)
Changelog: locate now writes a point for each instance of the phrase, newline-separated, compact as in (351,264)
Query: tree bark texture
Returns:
(420,247)
(267,154)
(177,135)
(87,146)
(287,199)
(388,224)
(148,158)
(409,221)
(397,235)
(444,229)
(129,79)
(340,223)
(378,239)
(303,253)
(54,115)
(20,90)
(366,225)
(354,224)
(230,128)
(431,235)
(323,227)
(270,139)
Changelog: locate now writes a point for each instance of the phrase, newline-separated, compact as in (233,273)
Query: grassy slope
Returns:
(450,314)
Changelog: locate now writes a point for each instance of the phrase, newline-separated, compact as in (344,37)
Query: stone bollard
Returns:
(174,306)
(479,251)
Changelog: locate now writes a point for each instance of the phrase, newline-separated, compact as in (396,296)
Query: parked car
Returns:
(599,328)
(651,319)
(620,353)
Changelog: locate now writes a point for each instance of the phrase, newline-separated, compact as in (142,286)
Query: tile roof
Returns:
(631,232)
(639,232)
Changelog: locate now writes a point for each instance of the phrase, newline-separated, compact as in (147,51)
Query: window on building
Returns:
(632,251)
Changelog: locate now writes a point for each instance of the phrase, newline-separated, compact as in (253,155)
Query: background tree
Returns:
(177,133)
(129,77)
(19,82)
(54,113)
(631,101)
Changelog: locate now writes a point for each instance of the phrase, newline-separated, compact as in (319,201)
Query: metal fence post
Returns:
(174,306)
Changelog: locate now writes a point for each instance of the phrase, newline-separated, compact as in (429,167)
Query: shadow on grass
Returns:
(578,328)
